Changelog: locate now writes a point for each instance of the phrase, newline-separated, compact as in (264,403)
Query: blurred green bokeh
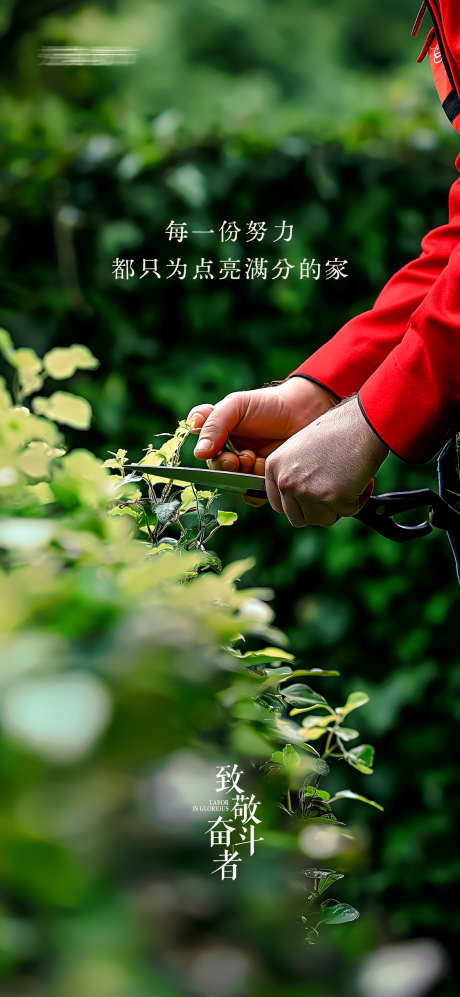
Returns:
(300,110)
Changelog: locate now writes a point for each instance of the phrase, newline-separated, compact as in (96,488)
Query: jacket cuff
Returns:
(326,367)
(321,384)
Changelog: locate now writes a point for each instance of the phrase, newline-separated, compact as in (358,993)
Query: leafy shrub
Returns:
(108,627)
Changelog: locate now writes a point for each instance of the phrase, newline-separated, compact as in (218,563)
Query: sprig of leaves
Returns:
(191,514)
(302,774)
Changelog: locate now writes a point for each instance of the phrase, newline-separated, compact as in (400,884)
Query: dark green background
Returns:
(312,112)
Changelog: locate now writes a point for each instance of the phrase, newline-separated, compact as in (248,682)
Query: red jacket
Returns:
(403,356)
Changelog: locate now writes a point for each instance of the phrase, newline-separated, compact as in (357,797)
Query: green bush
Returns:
(122,648)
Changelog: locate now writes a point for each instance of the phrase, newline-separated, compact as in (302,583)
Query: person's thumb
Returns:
(219,424)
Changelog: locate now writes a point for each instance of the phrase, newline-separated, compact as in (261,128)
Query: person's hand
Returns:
(257,422)
(325,471)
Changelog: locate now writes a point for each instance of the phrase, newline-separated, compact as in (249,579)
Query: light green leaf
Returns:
(308,709)
(318,672)
(316,721)
(347,794)
(42,492)
(66,408)
(155,457)
(36,457)
(225,518)
(290,755)
(313,733)
(354,700)
(5,397)
(346,733)
(85,360)
(6,344)
(62,362)
(29,369)
(322,794)
(361,758)
(188,497)
(262,657)
(170,448)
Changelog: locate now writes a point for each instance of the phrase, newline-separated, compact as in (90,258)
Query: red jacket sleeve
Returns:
(346,361)
(412,400)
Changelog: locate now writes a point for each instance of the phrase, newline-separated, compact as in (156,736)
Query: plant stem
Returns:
(328,744)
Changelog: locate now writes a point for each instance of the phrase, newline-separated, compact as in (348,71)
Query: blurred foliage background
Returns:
(318,114)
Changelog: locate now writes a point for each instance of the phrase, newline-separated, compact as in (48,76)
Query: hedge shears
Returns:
(377,513)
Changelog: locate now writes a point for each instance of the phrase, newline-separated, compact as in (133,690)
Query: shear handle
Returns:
(379,510)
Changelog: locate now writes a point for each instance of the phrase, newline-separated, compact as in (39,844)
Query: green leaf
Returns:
(317,873)
(62,362)
(6,401)
(290,755)
(66,408)
(318,672)
(171,448)
(302,694)
(347,794)
(334,912)
(321,793)
(354,700)
(84,359)
(316,721)
(188,500)
(262,657)
(225,518)
(316,706)
(29,369)
(277,673)
(346,733)
(156,457)
(210,562)
(6,344)
(361,758)
(328,881)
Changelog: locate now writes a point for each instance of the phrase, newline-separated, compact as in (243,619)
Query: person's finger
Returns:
(198,415)
(224,462)
(292,509)
(259,468)
(317,513)
(221,421)
(247,461)
(273,492)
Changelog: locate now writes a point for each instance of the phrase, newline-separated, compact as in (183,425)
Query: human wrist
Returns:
(307,395)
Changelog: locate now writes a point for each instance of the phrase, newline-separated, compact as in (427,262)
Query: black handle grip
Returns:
(379,509)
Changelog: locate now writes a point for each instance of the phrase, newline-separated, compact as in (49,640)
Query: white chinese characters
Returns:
(238,830)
